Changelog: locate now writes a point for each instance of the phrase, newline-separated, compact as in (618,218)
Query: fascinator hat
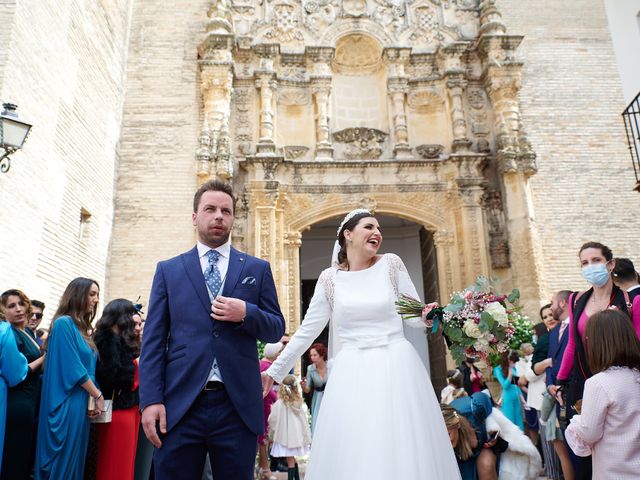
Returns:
(345,220)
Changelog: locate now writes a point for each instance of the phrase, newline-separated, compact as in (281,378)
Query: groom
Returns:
(200,387)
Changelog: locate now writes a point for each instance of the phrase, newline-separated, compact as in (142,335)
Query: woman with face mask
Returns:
(597,264)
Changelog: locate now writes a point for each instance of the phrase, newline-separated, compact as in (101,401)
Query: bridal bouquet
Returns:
(478,322)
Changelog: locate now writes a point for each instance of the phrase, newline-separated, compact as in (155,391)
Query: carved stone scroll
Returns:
(362,142)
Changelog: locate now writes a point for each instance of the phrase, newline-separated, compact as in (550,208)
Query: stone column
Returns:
(263,197)
(397,86)
(471,186)
(203,154)
(216,86)
(266,84)
(321,88)
(456,85)
(448,272)
(292,242)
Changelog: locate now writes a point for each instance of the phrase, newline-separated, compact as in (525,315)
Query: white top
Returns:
(609,424)
(340,295)
(223,265)
(537,385)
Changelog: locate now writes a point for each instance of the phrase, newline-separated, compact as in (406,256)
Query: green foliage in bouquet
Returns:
(523,332)
(479,322)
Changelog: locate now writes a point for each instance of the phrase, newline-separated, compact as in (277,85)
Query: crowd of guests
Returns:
(572,399)
(59,384)
(90,385)
(568,402)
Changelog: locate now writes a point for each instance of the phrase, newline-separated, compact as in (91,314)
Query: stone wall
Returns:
(63,63)
(571,101)
(157,169)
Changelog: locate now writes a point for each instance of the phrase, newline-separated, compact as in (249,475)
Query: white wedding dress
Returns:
(379,418)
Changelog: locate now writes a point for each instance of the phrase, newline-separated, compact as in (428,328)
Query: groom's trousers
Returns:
(211,425)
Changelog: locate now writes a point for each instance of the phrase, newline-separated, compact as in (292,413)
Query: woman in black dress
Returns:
(22,401)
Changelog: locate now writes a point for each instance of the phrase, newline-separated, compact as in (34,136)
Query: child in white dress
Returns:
(289,425)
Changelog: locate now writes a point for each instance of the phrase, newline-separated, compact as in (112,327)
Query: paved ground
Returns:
(283,476)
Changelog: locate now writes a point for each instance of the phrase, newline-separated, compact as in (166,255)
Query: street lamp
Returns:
(13,133)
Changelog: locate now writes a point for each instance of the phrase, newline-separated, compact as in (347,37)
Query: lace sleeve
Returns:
(315,320)
(402,284)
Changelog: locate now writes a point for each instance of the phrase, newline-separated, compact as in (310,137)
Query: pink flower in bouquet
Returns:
(428,307)
(468,295)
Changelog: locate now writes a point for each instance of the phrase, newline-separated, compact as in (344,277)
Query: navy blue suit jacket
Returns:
(181,339)
(557,347)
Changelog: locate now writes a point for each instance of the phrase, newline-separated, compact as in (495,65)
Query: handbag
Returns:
(106,414)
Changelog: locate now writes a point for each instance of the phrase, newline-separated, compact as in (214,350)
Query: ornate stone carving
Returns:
(293,96)
(243,124)
(354,8)
(425,100)
(291,152)
(203,154)
(389,14)
(362,142)
(357,55)
(490,18)
(422,66)
(430,151)
(498,239)
(220,20)
(285,25)
(426,31)
(320,14)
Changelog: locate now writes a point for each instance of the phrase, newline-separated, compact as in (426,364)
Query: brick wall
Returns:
(571,102)
(63,63)
(157,170)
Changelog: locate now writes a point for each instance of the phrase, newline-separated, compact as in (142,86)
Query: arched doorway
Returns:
(409,240)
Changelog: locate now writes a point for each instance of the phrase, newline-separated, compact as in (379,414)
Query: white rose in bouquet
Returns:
(498,312)
(471,329)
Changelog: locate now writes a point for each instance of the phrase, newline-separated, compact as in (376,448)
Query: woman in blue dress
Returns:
(69,380)
(511,394)
(316,379)
(22,399)
(13,370)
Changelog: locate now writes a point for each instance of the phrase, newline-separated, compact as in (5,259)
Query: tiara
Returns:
(350,215)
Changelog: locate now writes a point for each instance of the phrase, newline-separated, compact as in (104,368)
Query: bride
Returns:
(379,417)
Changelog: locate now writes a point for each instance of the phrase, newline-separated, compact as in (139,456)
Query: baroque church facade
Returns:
(409,109)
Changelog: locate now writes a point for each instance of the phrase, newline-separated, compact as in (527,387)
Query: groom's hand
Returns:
(150,416)
(227,309)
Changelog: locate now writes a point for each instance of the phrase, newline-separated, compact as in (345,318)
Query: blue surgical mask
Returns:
(596,274)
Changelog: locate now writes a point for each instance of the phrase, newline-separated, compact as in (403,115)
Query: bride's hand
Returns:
(267,384)
(428,307)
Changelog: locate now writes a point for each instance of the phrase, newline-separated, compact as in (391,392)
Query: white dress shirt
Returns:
(223,265)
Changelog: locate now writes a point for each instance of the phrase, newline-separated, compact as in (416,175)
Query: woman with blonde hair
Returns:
(68,384)
(463,440)
(289,426)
